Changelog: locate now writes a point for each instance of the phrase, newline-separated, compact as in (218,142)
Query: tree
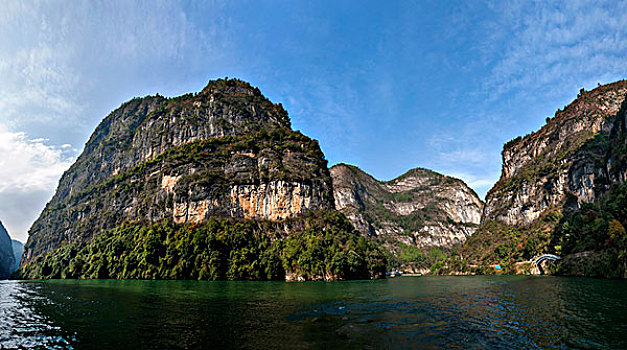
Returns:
(616,231)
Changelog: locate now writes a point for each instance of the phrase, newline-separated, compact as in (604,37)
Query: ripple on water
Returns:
(501,316)
(21,326)
(463,312)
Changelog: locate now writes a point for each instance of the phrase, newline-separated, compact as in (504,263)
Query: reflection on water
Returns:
(436,312)
(21,325)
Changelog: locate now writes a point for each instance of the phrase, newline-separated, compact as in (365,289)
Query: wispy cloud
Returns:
(429,84)
(39,83)
(39,163)
(73,64)
(473,156)
(337,108)
(557,46)
(537,55)
(29,171)
(63,68)
(473,161)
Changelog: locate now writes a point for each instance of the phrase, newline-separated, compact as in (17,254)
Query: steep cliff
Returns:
(562,191)
(18,249)
(420,208)
(225,152)
(7,261)
(569,161)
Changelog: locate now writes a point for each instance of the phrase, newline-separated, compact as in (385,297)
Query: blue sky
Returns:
(387,87)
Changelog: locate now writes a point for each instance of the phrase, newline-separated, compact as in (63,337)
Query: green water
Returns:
(427,312)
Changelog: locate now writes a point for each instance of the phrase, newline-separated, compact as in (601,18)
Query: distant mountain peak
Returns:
(420,208)
(7,259)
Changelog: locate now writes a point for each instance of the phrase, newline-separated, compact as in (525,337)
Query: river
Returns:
(473,312)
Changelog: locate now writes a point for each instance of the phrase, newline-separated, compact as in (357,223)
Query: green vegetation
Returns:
(597,233)
(288,156)
(590,238)
(511,142)
(378,214)
(593,241)
(497,243)
(556,158)
(410,257)
(437,259)
(324,246)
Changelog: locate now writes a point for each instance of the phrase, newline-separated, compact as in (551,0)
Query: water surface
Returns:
(479,312)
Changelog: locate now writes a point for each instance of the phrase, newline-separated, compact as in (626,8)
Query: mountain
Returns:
(7,261)
(569,159)
(561,187)
(420,208)
(214,161)
(18,249)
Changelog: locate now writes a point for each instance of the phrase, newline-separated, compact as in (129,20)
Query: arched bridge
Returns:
(537,261)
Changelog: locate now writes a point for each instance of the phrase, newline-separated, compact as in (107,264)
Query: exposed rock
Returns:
(562,191)
(420,208)
(226,152)
(571,160)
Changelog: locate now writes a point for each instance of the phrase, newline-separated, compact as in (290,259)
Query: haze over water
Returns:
(430,312)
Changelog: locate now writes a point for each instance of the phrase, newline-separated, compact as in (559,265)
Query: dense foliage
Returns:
(593,241)
(325,246)
(496,243)
(216,166)
(597,234)
(411,258)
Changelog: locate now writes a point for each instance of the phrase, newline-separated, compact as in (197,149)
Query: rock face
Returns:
(7,261)
(562,191)
(18,249)
(573,159)
(419,208)
(226,151)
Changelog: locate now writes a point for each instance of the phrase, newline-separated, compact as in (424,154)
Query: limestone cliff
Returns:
(226,151)
(419,208)
(562,191)
(571,160)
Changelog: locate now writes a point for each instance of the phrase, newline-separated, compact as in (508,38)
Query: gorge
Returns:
(221,172)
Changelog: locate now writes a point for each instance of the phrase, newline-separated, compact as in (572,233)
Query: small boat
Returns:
(393,273)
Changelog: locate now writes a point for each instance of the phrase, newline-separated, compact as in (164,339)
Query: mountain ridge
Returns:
(561,191)
(418,209)
(539,169)
(226,152)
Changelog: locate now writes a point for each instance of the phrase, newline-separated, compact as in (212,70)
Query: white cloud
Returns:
(63,68)
(470,155)
(460,156)
(29,165)
(29,172)
(538,55)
